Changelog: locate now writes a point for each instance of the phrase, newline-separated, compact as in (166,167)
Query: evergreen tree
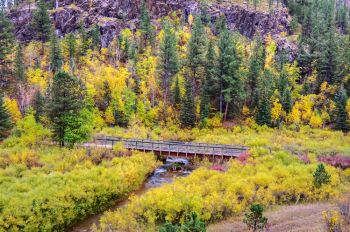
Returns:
(85,42)
(19,64)
(146,28)
(341,120)
(71,45)
(188,115)
(263,114)
(6,48)
(204,104)
(169,227)
(41,23)
(96,37)
(231,86)
(255,220)
(211,70)
(66,102)
(5,120)
(193,224)
(321,176)
(256,64)
(284,91)
(197,48)
(56,61)
(169,64)
(177,92)
(38,106)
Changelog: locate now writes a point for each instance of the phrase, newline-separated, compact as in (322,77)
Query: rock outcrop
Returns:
(113,15)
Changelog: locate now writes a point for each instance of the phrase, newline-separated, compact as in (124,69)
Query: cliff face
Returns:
(113,15)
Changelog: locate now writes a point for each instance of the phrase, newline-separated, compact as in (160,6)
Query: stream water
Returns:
(172,168)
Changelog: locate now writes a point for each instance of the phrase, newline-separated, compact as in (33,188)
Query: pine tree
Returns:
(19,64)
(56,61)
(169,64)
(38,106)
(193,224)
(71,45)
(284,91)
(321,176)
(197,48)
(177,92)
(85,42)
(341,120)
(5,120)
(6,48)
(204,104)
(188,116)
(256,64)
(146,28)
(41,23)
(231,86)
(211,70)
(263,114)
(255,220)
(96,37)
(66,102)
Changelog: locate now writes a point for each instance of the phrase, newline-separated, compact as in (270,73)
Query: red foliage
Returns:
(338,161)
(218,168)
(243,157)
(304,158)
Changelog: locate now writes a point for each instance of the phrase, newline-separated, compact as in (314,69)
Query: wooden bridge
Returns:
(174,148)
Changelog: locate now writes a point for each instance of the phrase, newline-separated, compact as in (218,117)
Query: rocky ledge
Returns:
(113,15)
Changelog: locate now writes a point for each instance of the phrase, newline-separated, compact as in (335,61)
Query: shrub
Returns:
(276,178)
(321,176)
(255,219)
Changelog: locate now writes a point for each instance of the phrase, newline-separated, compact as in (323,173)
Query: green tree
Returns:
(211,70)
(38,106)
(188,115)
(256,64)
(197,48)
(19,64)
(341,119)
(96,37)
(177,92)
(255,219)
(321,176)
(56,61)
(169,64)
(71,45)
(265,87)
(66,103)
(169,227)
(284,91)
(5,120)
(204,104)
(146,28)
(6,48)
(41,23)
(193,224)
(85,41)
(231,86)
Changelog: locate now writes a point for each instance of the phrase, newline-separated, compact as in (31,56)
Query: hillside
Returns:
(173,115)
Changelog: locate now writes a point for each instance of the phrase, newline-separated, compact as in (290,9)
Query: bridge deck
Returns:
(174,147)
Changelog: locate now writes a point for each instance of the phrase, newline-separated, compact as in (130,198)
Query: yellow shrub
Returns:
(12,106)
(315,121)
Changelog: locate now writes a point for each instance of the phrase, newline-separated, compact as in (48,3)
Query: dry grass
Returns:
(296,218)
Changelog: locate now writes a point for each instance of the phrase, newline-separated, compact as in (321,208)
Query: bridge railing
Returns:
(174,146)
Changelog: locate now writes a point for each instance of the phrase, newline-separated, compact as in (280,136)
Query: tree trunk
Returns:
(226,110)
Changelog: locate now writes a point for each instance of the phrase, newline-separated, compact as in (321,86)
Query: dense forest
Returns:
(192,72)
(272,76)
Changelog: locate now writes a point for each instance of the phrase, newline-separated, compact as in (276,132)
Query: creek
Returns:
(166,173)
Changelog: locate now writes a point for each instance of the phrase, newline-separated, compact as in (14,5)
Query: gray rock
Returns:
(113,15)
